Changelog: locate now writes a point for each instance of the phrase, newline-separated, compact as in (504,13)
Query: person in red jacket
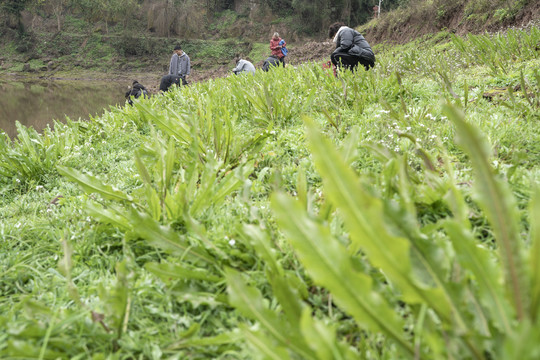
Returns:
(276,48)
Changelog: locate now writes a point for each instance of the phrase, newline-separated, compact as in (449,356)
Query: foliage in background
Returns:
(134,34)
(417,17)
(307,216)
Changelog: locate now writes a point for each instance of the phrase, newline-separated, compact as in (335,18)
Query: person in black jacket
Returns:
(137,90)
(271,61)
(169,80)
(351,48)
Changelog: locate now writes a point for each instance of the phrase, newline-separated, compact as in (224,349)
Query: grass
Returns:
(220,215)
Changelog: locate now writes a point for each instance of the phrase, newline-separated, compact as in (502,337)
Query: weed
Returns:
(382,214)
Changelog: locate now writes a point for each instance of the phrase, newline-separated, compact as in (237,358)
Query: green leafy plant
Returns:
(386,231)
(32,156)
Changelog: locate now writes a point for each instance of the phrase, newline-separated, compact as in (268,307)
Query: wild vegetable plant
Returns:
(466,299)
(498,51)
(32,156)
(391,249)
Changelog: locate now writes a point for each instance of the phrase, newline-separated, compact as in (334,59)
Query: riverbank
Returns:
(208,223)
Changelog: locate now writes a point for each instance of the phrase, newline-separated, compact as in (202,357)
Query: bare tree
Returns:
(58,11)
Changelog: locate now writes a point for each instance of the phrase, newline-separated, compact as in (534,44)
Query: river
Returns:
(37,103)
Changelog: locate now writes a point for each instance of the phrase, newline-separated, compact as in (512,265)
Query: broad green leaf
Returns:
(286,293)
(166,238)
(168,160)
(24,138)
(92,184)
(232,181)
(191,332)
(260,241)
(196,299)
(499,205)
(302,187)
(168,272)
(213,190)
(153,203)
(111,215)
(534,259)
(364,218)
(319,337)
(473,257)
(522,344)
(429,259)
(173,126)
(265,348)
(232,337)
(143,171)
(176,203)
(349,148)
(288,296)
(249,301)
(19,349)
(328,262)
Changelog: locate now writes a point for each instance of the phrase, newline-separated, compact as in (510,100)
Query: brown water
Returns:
(36,103)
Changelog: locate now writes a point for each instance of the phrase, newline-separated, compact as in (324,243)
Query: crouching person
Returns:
(271,61)
(243,66)
(137,90)
(169,80)
(351,48)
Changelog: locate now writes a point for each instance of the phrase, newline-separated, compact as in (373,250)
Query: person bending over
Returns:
(243,66)
(351,48)
(137,90)
(270,62)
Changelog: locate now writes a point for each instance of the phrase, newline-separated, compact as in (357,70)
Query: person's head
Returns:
(237,59)
(275,36)
(135,82)
(178,50)
(333,29)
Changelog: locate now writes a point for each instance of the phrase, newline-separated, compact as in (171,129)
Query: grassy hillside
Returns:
(49,54)
(417,18)
(290,215)
(97,47)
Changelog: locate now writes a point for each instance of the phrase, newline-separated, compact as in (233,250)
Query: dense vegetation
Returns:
(418,17)
(175,17)
(380,215)
(135,35)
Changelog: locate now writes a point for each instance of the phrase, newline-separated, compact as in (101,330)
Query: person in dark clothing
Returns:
(179,69)
(270,61)
(351,48)
(137,90)
(169,80)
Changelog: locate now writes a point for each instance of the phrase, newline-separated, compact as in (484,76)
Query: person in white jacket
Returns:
(243,66)
(180,64)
